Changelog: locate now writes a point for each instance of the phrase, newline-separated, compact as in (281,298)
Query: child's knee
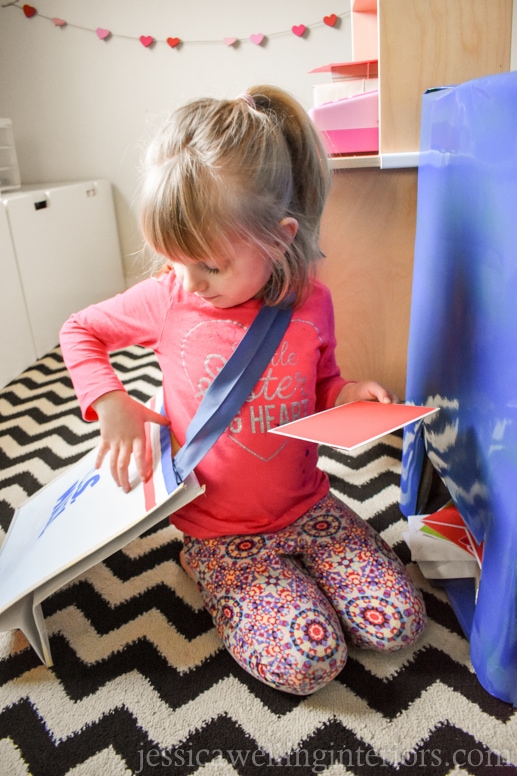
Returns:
(299,674)
(393,628)
(414,620)
(299,655)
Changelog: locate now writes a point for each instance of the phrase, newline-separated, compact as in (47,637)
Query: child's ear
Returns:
(290,227)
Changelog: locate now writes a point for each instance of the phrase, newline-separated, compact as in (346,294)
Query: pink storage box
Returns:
(349,125)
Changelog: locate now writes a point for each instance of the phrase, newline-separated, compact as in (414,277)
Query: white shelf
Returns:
(345,162)
(384,161)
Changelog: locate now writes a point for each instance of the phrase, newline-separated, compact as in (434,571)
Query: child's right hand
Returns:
(122,424)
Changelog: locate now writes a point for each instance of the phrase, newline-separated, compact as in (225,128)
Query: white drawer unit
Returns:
(59,253)
(17,348)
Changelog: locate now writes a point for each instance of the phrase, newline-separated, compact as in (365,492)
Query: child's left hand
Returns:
(366,390)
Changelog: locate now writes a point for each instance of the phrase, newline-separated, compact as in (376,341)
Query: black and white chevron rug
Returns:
(141,683)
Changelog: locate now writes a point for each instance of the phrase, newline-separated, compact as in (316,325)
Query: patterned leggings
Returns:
(282,601)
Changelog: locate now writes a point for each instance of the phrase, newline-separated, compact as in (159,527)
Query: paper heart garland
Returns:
(330,20)
(147,40)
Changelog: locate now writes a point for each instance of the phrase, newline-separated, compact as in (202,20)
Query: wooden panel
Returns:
(427,43)
(368,233)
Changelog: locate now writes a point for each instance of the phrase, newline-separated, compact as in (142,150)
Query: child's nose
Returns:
(193,280)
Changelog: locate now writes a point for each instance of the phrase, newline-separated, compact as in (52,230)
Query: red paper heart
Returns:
(173,42)
(299,29)
(330,20)
(29,10)
(146,40)
(257,38)
(102,34)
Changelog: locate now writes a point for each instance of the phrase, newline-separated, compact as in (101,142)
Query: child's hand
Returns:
(122,424)
(366,390)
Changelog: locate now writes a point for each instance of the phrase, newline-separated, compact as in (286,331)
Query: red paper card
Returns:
(449,523)
(351,425)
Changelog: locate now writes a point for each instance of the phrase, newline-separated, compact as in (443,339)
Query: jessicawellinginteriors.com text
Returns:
(317,760)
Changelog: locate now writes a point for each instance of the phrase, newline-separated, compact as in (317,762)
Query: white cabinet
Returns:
(59,253)
(17,349)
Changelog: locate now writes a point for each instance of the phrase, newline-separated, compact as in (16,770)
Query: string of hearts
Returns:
(258,38)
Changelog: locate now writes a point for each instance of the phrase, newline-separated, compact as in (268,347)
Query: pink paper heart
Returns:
(146,40)
(257,38)
(299,29)
(173,42)
(59,22)
(102,34)
(230,41)
(29,10)
(330,20)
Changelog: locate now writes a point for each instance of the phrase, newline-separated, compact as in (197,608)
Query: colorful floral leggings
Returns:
(282,601)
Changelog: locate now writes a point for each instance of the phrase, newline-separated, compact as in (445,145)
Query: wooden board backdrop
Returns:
(368,235)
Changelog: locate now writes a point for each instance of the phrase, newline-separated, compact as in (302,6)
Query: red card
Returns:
(449,523)
(354,424)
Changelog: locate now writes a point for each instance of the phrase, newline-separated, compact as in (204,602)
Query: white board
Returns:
(77,520)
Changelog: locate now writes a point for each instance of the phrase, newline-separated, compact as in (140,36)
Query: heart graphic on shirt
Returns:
(206,348)
(218,343)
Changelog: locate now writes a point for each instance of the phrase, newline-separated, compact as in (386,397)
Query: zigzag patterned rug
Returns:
(141,683)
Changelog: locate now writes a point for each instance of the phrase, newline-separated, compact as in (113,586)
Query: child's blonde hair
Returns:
(220,169)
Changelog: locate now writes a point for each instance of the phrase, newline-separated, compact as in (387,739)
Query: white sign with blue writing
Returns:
(75,521)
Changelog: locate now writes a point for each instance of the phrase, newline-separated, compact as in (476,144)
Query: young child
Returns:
(232,198)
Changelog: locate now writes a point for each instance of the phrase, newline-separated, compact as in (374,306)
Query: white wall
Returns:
(84,108)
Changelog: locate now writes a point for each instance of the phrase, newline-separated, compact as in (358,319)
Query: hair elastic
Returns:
(247,98)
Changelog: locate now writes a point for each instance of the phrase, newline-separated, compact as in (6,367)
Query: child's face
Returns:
(239,276)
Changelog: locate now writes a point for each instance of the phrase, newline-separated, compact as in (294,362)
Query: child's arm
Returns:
(122,421)
(136,316)
(366,390)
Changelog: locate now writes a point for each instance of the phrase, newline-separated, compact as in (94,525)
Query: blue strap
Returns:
(231,387)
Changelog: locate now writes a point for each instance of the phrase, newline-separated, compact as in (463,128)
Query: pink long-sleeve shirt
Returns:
(255,482)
